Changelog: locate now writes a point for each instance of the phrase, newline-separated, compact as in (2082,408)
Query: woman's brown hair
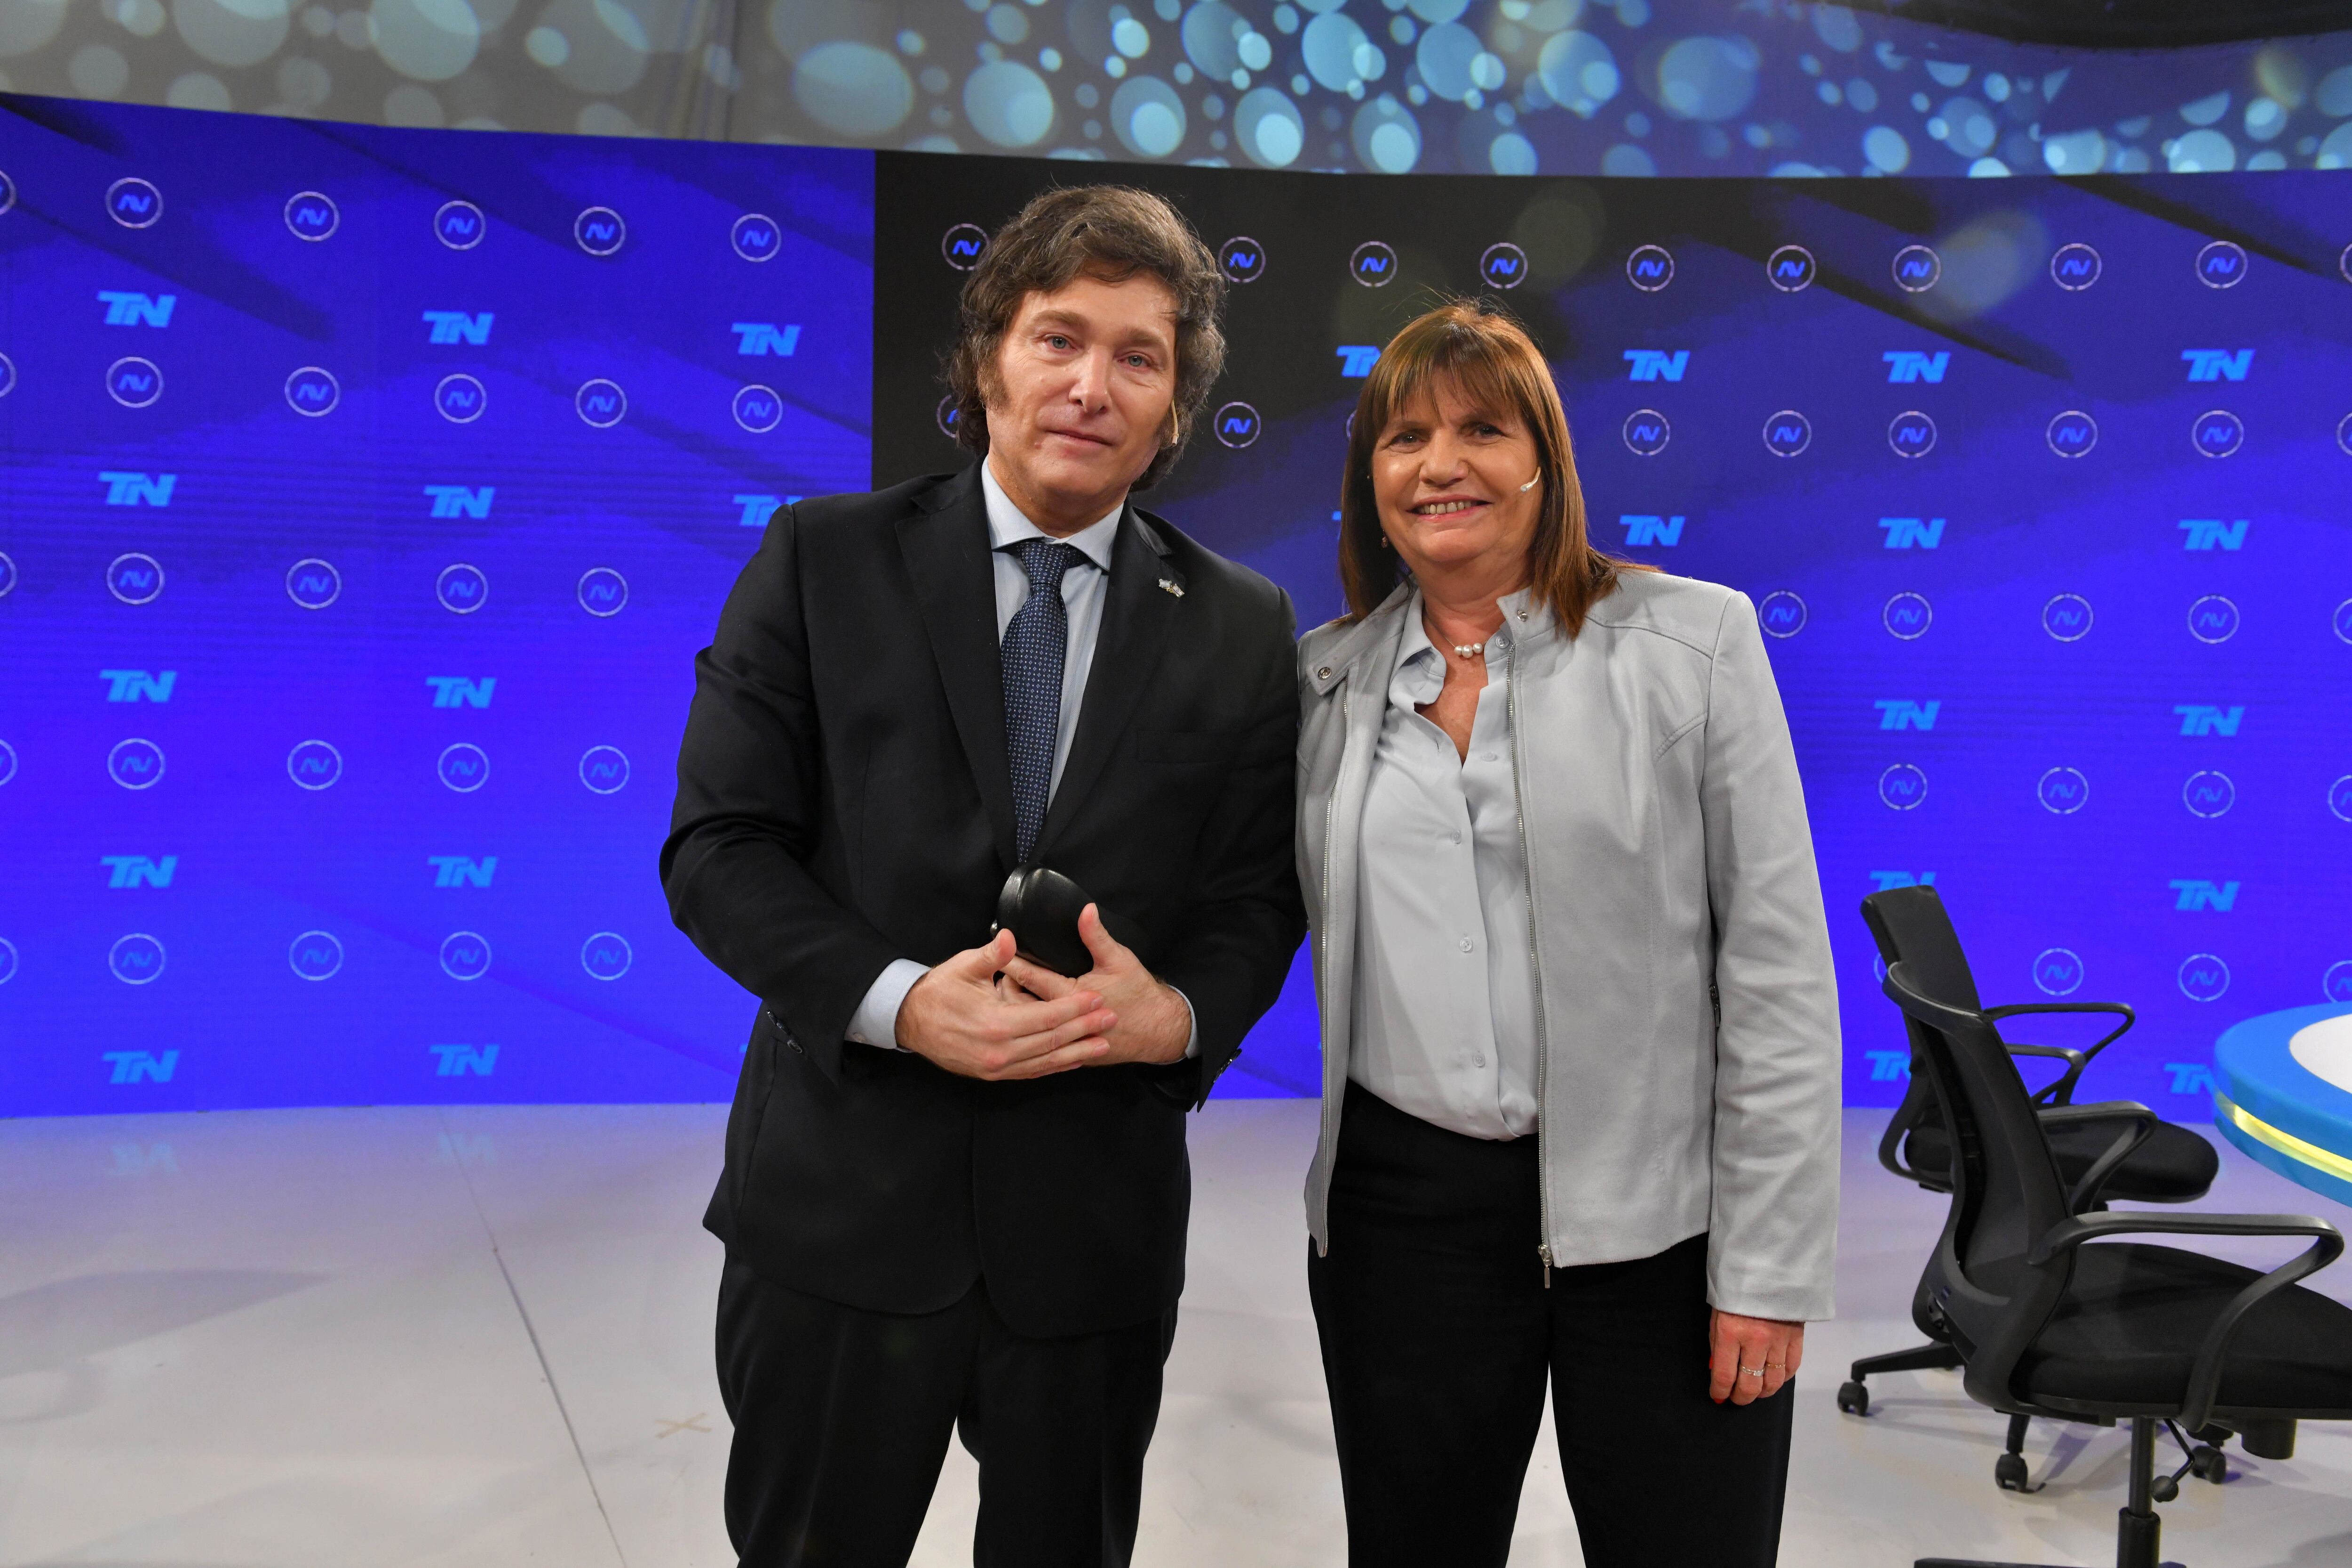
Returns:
(1490,359)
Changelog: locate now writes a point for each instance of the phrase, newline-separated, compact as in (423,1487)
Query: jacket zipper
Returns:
(1535,960)
(1323,940)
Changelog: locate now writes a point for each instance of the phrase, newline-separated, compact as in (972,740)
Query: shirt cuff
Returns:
(876,1022)
(1191,1041)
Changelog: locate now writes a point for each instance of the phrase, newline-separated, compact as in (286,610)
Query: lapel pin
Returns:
(1173,586)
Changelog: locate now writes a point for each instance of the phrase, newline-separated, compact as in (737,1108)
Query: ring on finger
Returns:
(1753,1371)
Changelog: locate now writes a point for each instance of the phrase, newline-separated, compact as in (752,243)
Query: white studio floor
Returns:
(481,1336)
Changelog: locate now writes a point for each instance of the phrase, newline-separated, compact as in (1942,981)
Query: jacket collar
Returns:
(1376,635)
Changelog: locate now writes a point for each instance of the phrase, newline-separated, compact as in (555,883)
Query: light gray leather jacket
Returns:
(1669,864)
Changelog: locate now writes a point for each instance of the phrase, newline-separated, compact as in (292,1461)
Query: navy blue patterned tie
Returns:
(1037,644)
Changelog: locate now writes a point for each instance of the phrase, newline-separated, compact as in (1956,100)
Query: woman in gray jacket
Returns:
(1580,1042)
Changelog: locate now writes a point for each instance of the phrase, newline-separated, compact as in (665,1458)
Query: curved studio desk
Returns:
(2282,1092)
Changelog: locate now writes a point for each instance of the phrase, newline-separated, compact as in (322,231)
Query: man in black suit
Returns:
(956,1188)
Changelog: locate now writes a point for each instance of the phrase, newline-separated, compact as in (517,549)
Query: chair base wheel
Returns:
(2009,1474)
(1854,1398)
(2207,1465)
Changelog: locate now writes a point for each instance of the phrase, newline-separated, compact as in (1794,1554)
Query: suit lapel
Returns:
(946,550)
(1135,625)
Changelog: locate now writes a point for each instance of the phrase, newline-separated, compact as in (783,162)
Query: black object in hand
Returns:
(1041,908)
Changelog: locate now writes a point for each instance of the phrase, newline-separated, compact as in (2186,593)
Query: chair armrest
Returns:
(2205,1373)
(2059,1090)
(2141,1129)
(2062,1091)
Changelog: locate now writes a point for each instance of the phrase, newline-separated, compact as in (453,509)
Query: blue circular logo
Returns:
(135,578)
(2342,620)
(133,382)
(314,765)
(459,225)
(136,959)
(2217,433)
(2203,977)
(603,591)
(316,956)
(313,583)
(1503,266)
(8,192)
(1788,433)
(8,961)
(1242,260)
(2343,434)
(460,398)
(312,392)
(2074,268)
(1916,269)
(603,769)
(2058,971)
(1908,617)
(464,767)
(1647,432)
(134,203)
(756,237)
(1236,424)
(2072,434)
(2209,793)
(2063,792)
(2212,620)
(462,588)
(312,215)
(605,955)
(2067,618)
(2339,797)
(963,245)
(1782,614)
(946,415)
(1911,434)
(1650,268)
(135,764)
(7,574)
(1902,787)
(2335,985)
(1790,267)
(601,403)
(599,230)
(758,408)
(2222,265)
(2343,257)
(8,375)
(1372,264)
(465,955)
(7,762)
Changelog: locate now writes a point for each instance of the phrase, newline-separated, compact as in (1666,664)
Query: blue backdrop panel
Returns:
(2040,486)
(366,496)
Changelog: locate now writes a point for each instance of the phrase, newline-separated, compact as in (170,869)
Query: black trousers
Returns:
(1439,1334)
(842,1418)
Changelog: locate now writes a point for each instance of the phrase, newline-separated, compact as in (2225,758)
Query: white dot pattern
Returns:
(1036,642)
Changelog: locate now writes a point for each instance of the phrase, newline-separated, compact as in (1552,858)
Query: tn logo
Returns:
(2190,1078)
(1656,364)
(1663,530)
(758,509)
(2195,895)
(766,338)
(2202,719)
(1905,365)
(457,501)
(2212,534)
(138,871)
(1913,533)
(1901,713)
(2218,364)
(458,327)
(138,686)
(457,1061)
(1889,880)
(139,1067)
(126,310)
(1356,360)
(462,871)
(1886,1067)
(461,691)
(124,488)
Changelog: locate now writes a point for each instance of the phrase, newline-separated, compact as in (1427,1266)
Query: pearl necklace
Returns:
(1468,650)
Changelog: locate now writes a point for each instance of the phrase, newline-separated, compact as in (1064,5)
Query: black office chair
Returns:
(2049,1318)
(2173,1166)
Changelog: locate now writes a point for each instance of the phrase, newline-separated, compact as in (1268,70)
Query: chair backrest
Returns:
(1909,925)
(2006,1191)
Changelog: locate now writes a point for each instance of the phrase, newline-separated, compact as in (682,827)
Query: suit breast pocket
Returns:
(1187,748)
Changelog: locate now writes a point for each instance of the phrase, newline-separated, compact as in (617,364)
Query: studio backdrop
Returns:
(366,494)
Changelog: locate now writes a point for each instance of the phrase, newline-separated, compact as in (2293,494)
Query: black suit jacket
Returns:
(845,800)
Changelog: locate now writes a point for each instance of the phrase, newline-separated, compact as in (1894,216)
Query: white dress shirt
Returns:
(1085,587)
(1444,1004)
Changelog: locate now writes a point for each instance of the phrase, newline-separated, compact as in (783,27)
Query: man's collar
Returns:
(1008,525)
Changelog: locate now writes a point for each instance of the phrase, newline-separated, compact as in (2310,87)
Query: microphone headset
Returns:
(1530,484)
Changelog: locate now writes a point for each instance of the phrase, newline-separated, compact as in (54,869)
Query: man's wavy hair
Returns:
(1107,232)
